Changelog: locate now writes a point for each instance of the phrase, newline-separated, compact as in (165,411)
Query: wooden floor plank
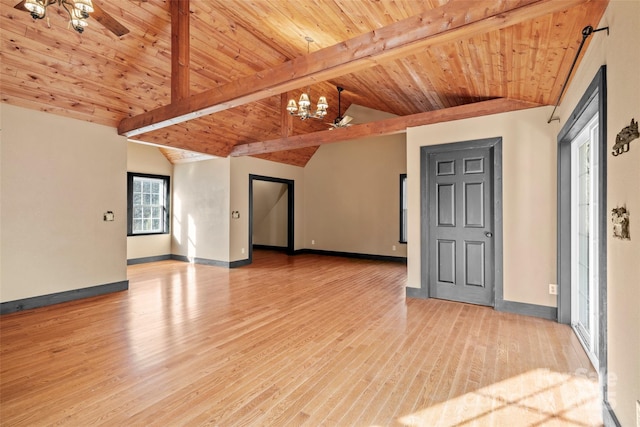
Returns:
(413,347)
(304,340)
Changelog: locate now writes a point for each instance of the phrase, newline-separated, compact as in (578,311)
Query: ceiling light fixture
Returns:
(78,10)
(304,111)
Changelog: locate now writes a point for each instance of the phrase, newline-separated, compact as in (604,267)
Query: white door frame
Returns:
(588,335)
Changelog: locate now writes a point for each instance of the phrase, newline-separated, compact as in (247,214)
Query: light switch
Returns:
(109,216)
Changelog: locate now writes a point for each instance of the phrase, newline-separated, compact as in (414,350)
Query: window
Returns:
(403,208)
(147,204)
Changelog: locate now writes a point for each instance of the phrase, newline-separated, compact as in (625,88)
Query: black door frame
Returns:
(290,210)
(495,144)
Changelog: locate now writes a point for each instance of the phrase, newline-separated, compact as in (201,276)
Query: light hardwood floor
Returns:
(304,340)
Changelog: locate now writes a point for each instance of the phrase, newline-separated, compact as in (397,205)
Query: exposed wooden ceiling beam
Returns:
(383,127)
(456,20)
(180,42)
(285,118)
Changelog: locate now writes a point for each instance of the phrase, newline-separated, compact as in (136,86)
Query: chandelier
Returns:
(303,108)
(78,10)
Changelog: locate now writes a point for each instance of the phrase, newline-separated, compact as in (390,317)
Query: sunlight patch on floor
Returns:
(536,398)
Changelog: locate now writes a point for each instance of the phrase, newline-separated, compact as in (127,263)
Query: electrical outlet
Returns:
(393,248)
(313,242)
(242,250)
(638,413)
(553,289)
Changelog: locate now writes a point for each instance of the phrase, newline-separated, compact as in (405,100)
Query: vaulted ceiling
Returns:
(425,61)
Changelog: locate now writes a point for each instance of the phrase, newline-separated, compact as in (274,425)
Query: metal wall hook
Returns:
(624,138)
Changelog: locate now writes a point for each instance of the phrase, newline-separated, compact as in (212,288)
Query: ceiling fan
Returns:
(78,10)
(340,121)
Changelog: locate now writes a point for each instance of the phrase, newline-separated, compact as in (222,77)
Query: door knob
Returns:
(488,234)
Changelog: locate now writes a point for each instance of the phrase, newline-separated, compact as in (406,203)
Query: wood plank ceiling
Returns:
(102,78)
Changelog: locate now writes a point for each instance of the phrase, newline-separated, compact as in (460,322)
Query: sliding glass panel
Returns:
(584,167)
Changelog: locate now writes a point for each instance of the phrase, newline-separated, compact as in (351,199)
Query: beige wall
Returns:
(270,214)
(352,196)
(59,176)
(620,53)
(143,158)
(200,215)
(241,168)
(529,196)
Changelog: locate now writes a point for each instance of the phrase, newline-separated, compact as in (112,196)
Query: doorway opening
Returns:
(271,212)
(582,216)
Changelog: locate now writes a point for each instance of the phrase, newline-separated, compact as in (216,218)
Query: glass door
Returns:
(584,237)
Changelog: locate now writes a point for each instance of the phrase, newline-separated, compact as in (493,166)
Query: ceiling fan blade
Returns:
(109,22)
(20,6)
(341,122)
(345,120)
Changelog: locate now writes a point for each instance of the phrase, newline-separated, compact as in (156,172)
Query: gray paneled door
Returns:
(460,226)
